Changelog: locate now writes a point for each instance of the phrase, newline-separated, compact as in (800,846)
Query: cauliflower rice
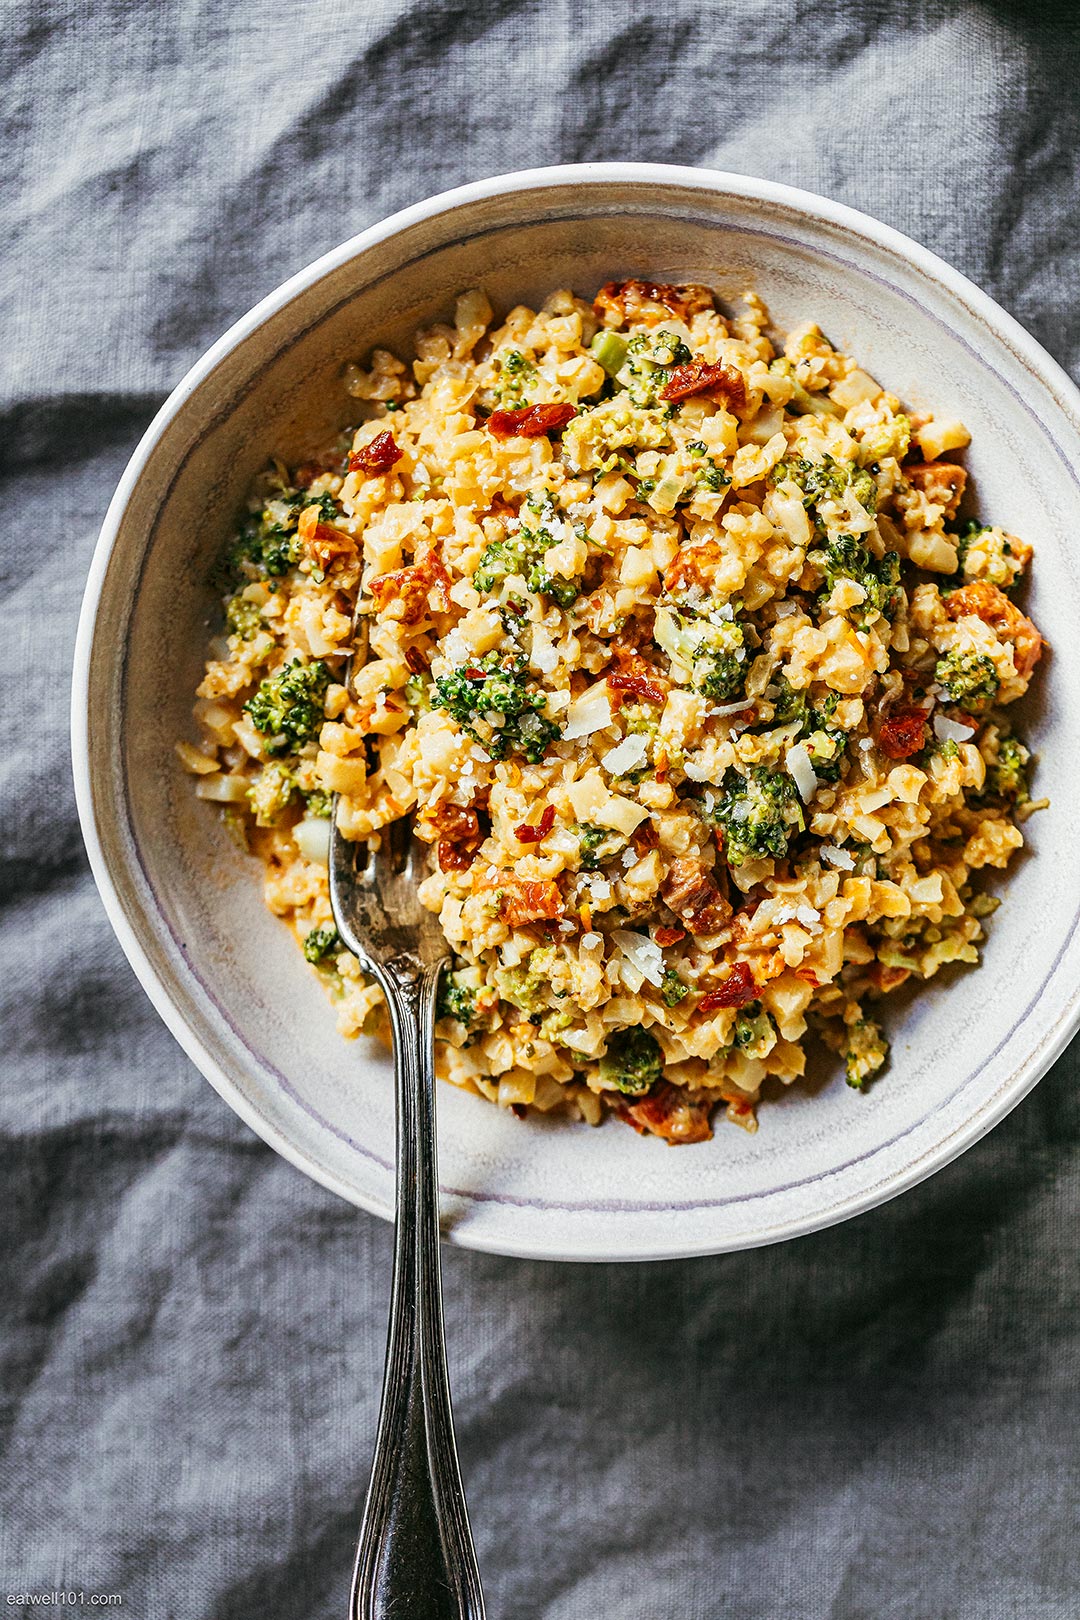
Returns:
(681,658)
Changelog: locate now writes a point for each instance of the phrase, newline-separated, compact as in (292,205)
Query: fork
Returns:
(415,1559)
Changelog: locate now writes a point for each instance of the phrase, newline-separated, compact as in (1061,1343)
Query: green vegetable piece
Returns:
(272,791)
(847,557)
(288,706)
(714,654)
(243,617)
(864,1053)
(673,989)
(455,1000)
(522,553)
(759,813)
(321,943)
(609,351)
(589,840)
(495,689)
(633,1062)
(1007,777)
(968,678)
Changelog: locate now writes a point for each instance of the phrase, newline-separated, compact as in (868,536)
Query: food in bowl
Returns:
(679,653)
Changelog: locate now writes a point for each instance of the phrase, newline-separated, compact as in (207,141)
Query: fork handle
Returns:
(416,1559)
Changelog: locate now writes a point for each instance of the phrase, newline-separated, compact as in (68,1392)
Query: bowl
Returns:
(187,906)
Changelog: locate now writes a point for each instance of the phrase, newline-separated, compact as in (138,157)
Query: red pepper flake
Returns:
(377,457)
(530,422)
(638,686)
(706,377)
(902,733)
(536,835)
(668,936)
(737,989)
(416,659)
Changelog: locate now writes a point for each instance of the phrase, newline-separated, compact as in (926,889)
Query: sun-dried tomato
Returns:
(902,733)
(651,300)
(416,659)
(377,457)
(737,990)
(645,838)
(458,831)
(526,900)
(453,857)
(706,377)
(638,686)
(668,936)
(695,565)
(405,594)
(530,421)
(670,1112)
(536,835)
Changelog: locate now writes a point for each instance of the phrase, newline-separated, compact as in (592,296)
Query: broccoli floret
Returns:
(649,359)
(522,553)
(492,702)
(759,813)
(272,791)
(321,943)
(709,475)
(523,988)
(827,480)
(455,1001)
(825,743)
(754,1033)
(672,988)
(713,653)
(968,678)
(243,617)
(802,400)
(985,552)
(826,748)
(865,1051)
(886,439)
(516,372)
(632,1062)
(288,706)
(590,839)
(1006,778)
(318,802)
(847,557)
(418,694)
(268,545)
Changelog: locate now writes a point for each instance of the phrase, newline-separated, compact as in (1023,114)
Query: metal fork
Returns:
(416,1559)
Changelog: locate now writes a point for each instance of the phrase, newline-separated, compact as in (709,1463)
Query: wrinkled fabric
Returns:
(878,1420)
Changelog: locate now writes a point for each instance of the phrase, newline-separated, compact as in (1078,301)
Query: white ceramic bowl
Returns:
(187,907)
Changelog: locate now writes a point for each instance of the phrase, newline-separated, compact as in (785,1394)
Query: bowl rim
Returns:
(658,175)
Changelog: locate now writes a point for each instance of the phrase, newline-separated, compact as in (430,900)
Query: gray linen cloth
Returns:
(880,1420)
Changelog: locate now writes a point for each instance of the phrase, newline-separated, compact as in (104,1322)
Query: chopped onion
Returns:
(946,730)
(642,952)
(588,713)
(797,761)
(625,756)
(836,856)
(313,839)
(222,789)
